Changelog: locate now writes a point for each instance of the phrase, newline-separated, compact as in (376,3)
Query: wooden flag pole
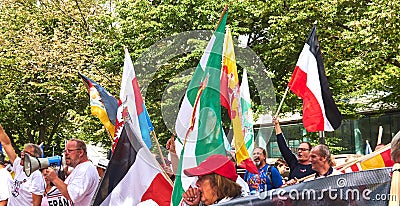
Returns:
(153,134)
(365,157)
(222,15)
(280,104)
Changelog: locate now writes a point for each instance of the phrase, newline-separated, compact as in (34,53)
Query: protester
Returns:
(300,166)
(321,162)
(80,186)
(52,195)
(283,168)
(268,177)
(215,184)
(25,190)
(395,148)
(170,146)
(101,167)
(5,182)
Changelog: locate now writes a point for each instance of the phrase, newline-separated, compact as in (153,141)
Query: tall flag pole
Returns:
(229,72)
(309,82)
(132,103)
(247,113)
(198,124)
(102,104)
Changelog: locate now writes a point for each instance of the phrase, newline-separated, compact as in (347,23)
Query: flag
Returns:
(132,103)
(229,72)
(102,103)
(310,83)
(133,175)
(198,123)
(247,113)
(377,159)
(368,149)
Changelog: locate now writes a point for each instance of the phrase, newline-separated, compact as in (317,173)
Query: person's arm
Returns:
(172,151)
(3,202)
(287,154)
(61,186)
(276,178)
(6,143)
(36,200)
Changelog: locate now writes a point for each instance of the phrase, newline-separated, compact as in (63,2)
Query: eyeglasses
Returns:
(302,149)
(70,150)
(26,152)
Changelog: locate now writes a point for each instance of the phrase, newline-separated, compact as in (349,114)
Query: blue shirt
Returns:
(262,181)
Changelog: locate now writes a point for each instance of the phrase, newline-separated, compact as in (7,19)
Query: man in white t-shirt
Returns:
(25,190)
(81,184)
(5,182)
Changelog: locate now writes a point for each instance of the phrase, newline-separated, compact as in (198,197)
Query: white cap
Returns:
(103,163)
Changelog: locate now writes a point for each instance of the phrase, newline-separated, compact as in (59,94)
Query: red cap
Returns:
(218,164)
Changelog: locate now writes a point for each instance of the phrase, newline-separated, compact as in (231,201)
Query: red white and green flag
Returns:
(198,124)
(247,113)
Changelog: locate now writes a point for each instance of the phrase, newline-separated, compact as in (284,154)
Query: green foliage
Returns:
(45,43)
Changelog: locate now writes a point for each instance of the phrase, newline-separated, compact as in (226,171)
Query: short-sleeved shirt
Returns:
(23,186)
(6,183)
(263,181)
(82,183)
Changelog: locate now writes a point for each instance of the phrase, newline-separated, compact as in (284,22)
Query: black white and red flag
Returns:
(309,82)
(133,175)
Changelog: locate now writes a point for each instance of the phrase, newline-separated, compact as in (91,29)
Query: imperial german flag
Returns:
(310,83)
(231,87)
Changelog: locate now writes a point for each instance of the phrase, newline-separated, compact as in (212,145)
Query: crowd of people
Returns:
(45,186)
(217,179)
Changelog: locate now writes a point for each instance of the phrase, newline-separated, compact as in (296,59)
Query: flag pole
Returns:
(379,140)
(360,159)
(109,135)
(222,15)
(153,134)
(280,104)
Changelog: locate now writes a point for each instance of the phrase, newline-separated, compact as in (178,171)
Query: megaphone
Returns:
(32,164)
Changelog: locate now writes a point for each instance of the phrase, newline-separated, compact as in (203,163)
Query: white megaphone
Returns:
(32,164)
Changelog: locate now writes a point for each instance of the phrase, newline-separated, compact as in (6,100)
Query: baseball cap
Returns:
(218,164)
(103,163)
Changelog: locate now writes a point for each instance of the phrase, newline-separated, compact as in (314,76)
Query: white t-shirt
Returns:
(6,183)
(82,183)
(23,186)
(54,197)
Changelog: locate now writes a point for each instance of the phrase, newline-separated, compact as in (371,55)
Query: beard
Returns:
(258,163)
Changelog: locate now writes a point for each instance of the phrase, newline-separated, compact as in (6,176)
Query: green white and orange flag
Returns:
(198,124)
(247,113)
(229,72)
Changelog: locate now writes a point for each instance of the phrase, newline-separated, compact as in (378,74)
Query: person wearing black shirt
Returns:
(300,166)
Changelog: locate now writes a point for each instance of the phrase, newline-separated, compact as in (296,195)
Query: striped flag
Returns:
(310,83)
(132,103)
(198,124)
(133,175)
(247,113)
(377,159)
(229,72)
(102,103)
